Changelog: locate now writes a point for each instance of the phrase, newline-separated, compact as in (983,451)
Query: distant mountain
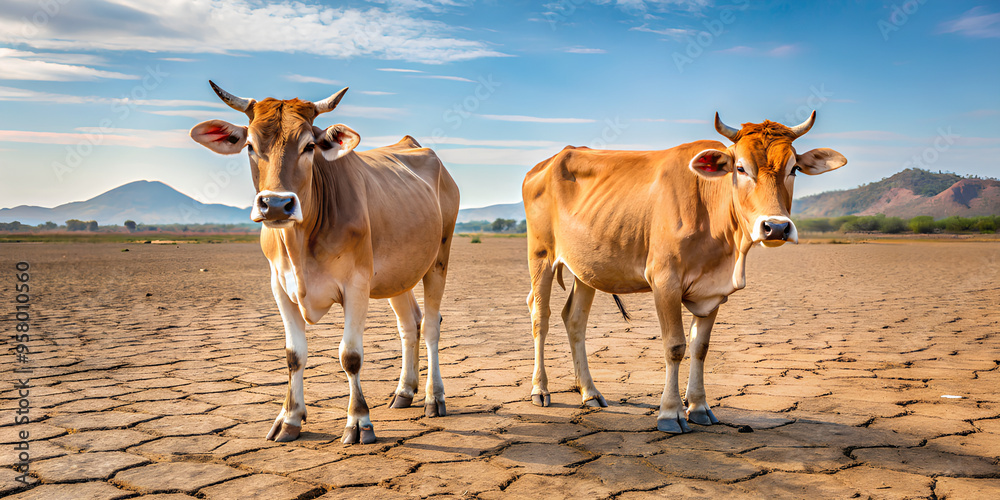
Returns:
(493,212)
(146,202)
(907,194)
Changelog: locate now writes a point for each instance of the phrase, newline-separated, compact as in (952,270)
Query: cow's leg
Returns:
(701,332)
(575,315)
(672,416)
(538,303)
(293,413)
(359,425)
(408,321)
(430,326)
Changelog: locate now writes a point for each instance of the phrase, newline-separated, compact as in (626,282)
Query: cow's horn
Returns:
(801,129)
(725,130)
(237,103)
(330,102)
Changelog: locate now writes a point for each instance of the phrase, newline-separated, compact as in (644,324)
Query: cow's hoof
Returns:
(540,400)
(702,416)
(400,401)
(672,426)
(597,401)
(359,434)
(282,433)
(435,409)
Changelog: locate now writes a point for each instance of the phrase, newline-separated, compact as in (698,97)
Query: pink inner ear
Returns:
(216,134)
(707,163)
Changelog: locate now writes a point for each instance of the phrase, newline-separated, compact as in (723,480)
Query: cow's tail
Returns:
(621,308)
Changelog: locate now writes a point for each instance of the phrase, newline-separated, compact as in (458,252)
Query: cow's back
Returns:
(412,204)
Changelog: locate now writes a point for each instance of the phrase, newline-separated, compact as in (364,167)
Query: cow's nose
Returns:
(775,230)
(276,207)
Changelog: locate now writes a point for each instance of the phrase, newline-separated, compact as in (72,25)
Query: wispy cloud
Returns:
(16,94)
(420,74)
(975,23)
(175,139)
(779,51)
(672,33)
(383,140)
(584,50)
(23,65)
(535,119)
(445,77)
(375,92)
(240,26)
(311,79)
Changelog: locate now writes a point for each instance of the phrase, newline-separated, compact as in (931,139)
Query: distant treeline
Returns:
(923,224)
(510,226)
(128,226)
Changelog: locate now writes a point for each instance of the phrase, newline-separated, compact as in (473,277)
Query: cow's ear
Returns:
(220,136)
(711,163)
(819,160)
(337,141)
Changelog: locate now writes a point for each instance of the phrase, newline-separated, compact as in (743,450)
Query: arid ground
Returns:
(861,370)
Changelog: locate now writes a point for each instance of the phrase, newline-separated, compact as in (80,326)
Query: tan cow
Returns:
(677,222)
(341,226)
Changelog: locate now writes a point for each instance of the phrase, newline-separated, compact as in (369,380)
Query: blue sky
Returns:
(97,93)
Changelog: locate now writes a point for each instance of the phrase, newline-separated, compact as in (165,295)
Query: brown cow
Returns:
(677,222)
(341,226)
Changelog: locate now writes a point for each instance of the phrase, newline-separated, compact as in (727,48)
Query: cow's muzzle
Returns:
(276,209)
(773,231)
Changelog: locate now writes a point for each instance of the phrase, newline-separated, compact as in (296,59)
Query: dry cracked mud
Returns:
(842,371)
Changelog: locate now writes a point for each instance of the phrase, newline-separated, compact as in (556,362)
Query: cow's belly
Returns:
(609,275)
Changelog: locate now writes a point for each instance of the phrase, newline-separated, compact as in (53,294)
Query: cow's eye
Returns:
(309,148)
(250,148)
(795,169)
(741,170)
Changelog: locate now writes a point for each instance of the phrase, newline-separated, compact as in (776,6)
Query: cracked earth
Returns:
(154,378)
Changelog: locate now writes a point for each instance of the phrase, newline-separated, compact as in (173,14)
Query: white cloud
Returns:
(445,77)
(311,79)
(673,33)
(535,119)
(177,139)
(975,23)
(421,75)
(375,92)
(22,65)
(584,50)
(16,94)
(238,26)
(779,51)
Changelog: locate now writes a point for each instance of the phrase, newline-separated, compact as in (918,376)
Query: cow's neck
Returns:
(719,193)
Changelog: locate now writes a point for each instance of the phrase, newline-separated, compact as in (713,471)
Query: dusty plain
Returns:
(157,373)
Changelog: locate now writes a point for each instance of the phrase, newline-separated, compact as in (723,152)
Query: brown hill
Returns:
(907,194)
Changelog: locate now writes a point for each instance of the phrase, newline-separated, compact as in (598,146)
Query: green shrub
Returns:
(922,224)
